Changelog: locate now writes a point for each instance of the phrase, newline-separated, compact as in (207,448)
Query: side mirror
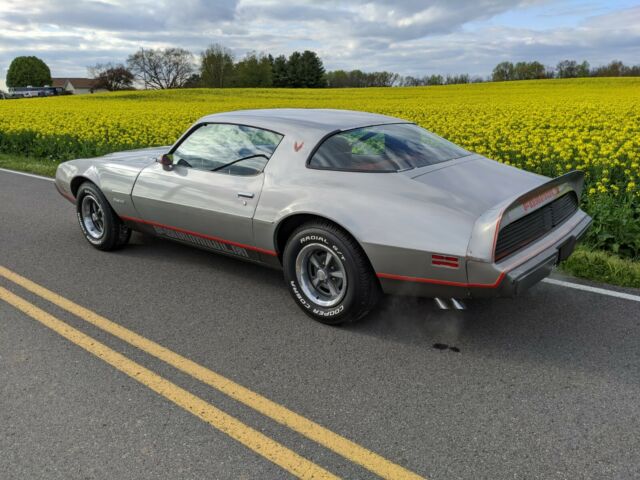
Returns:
(165,160)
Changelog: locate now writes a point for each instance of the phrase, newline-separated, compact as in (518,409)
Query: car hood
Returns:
(138,157)
(114,173)
(472,185)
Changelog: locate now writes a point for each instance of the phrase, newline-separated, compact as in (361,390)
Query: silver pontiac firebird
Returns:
(349,204)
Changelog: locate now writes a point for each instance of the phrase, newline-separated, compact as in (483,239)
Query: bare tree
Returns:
(158,68)
(111,76)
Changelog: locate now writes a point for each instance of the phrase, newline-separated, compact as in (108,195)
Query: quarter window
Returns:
(227,148)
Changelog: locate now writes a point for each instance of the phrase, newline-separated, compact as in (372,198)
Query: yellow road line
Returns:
(256,441)
(310,429)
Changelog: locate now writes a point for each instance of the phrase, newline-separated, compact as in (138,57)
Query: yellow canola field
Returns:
(547,126)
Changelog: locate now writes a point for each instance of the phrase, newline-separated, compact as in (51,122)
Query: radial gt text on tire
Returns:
(100,225)
(328,274)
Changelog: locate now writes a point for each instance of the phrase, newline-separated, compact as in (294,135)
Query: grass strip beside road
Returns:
(602,267)
(249,437)
(342,446)
(38,166)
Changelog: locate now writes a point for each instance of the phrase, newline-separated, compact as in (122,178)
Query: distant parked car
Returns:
(30,92)
(348,204)
(7,96)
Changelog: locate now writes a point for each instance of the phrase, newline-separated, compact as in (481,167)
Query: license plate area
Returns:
(566,248)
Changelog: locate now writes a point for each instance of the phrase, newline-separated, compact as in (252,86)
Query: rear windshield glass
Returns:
(384,148)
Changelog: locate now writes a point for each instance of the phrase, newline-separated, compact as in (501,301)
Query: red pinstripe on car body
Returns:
(391,276)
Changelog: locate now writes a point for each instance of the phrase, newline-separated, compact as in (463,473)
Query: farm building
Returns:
(76,86)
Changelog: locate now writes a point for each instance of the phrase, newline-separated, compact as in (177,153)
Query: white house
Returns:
(77,86)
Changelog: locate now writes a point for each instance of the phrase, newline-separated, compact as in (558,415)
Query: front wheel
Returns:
(328,274)
(99,223)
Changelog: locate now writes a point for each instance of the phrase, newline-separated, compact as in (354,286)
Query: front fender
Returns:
(114,179)
(69,174)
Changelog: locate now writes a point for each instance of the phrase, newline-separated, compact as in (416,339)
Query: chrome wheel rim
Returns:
(92,216)
(321,275)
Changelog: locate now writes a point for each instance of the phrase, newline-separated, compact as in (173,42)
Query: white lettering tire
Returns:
(328,274)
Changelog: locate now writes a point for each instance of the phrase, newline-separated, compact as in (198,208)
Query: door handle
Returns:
(245,194)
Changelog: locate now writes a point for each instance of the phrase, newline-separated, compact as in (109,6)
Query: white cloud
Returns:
(406,36)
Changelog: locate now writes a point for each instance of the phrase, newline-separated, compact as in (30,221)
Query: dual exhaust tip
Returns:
(449,304)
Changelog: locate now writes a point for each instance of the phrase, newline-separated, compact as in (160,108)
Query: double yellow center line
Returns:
(251,438)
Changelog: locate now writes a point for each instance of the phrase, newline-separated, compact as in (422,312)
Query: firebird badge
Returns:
(539,199)
(297,146)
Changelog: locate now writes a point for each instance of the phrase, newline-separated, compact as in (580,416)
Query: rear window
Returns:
(384,148)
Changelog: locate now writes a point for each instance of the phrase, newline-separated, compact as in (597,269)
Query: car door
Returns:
(208,194)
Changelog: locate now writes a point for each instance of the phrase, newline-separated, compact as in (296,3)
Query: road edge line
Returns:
(26,174)
(589,288)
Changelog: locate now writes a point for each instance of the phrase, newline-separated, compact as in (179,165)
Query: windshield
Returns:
(384,148)
(215,146)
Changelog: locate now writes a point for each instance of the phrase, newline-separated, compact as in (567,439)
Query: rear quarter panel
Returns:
(396,220)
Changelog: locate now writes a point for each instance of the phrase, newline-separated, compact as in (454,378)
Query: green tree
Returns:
(567,69)
(311,70)
(435,80)
(294,70)
(583,69)
(194,81)
(28,72)
(503,72)
(410,81)
(253,70)
(528,71)
(216,67)
(280,72)
(537,70)
(358,78)
(337,79)
(520,71)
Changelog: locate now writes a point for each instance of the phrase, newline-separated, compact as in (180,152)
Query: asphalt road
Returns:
(544,386)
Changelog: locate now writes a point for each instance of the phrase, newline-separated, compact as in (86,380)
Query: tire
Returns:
(99,223)
(345,290)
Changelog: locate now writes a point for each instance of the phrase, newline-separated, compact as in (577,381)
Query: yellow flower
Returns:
(546,127)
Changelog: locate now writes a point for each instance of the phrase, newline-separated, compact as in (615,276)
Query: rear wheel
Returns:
(328,274)
(99,223)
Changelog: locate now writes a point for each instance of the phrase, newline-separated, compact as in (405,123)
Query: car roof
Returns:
(320,121)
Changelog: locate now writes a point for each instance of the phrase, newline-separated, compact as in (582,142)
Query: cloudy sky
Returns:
(411,37)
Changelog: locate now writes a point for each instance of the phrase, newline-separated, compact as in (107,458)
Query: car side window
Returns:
(227,148)
(384,148)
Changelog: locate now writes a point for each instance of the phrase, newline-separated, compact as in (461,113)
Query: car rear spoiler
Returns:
(485,230)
